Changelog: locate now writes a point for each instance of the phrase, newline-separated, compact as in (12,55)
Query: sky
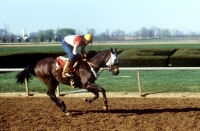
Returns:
(101,15)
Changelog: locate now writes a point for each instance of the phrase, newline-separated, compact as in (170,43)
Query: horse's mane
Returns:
(93,53)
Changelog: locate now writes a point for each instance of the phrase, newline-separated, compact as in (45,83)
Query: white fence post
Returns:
(139,87)
(27,88)
(58,90)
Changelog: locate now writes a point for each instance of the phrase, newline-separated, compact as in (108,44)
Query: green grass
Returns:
(121,46)
(152,81)
(30,49)
(126,81)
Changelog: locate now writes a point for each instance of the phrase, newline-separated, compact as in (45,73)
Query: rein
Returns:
(94,72)
(92,64)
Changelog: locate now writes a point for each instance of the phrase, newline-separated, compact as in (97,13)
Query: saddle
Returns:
(60,63)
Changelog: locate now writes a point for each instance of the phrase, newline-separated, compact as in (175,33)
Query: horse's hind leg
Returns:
(94,88)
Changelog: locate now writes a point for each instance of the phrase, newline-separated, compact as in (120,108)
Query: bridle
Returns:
(102,69)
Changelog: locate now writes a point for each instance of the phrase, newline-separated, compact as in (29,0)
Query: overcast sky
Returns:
(126,15)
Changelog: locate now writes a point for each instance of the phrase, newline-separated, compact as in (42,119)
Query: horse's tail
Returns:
(26,73)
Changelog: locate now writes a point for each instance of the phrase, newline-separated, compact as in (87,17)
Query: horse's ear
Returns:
(111,50)
(115,49)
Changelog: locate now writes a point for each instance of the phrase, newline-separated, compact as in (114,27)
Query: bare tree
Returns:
(79,32)
(107,35)
(166,33)
(144,32)
(5,34)
(158,33)
(91,31)
(137,34)
(152,32)
(1,33)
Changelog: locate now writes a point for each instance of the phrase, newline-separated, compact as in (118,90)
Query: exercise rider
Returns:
(70,44)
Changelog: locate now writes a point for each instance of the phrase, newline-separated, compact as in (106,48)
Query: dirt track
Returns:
(125,113)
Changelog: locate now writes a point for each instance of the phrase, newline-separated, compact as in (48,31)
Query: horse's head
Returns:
(113,62)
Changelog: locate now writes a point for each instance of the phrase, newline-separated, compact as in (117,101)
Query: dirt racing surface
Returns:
(125,114)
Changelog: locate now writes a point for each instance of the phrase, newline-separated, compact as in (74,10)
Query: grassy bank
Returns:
(126,81)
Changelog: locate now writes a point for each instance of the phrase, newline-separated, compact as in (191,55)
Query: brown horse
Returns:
(84,75)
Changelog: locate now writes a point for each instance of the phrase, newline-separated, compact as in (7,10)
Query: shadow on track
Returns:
(129,112)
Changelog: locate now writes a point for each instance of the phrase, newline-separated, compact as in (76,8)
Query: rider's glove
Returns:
(84,57)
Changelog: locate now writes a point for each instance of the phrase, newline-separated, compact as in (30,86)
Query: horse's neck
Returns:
(99,59)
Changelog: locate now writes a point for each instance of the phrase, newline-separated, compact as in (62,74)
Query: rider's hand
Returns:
(84,57)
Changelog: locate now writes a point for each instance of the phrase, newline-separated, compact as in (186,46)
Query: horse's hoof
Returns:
(68,114)
(84,99)
(105,108)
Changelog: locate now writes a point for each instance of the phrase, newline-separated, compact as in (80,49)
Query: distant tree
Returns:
(102,36)
(173,33)
(193,35)
(61,33)
(151,32)
(137,34)
(79,32)
(5,34)
(49,34)
(41,35)
(118,35)
(144,32)
(158,33)
(177,33)
(91,31)
(107,35)
(1,33)
(12,38)
(166,33)
(33,35)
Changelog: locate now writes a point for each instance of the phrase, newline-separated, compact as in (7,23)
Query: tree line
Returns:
(107,36)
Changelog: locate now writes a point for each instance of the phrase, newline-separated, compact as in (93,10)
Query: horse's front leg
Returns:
(94,88)
(56,100)
(59,103)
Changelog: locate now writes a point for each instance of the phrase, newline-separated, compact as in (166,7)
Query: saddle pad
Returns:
(60,63)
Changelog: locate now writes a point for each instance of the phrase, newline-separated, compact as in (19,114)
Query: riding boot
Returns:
(66,70)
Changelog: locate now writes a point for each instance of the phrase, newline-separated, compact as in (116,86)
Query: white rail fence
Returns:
(138,69)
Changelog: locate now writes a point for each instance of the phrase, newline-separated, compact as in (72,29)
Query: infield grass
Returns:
(126,81)
(8,50)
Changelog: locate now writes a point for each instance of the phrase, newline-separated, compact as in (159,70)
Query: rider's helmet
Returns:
(88,38)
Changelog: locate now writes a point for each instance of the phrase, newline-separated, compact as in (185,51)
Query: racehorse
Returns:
(85,75)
